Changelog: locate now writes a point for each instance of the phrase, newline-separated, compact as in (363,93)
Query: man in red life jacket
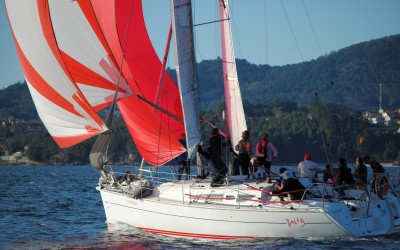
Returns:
(265,152)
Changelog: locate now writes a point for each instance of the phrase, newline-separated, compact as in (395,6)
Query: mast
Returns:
(162,73)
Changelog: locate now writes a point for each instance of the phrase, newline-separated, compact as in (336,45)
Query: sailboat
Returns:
(81,56)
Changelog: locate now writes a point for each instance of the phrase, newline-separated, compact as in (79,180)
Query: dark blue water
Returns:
(45,207)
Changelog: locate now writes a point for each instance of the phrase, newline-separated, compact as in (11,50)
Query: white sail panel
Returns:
(58,122)
(59,97)
(97,95)
(77,38)
(186,71)
(235,118)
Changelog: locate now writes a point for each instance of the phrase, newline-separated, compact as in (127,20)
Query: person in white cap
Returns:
(292,186)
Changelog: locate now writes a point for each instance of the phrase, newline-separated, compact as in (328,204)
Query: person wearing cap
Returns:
(308,168)
(265,152)
(291,186)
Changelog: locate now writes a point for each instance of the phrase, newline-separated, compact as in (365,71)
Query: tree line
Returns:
(327,131)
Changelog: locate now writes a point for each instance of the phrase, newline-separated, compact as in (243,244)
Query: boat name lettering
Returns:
(296,220)
(132,202)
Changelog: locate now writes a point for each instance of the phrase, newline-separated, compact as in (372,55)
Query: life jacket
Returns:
(262,146)
(244,146)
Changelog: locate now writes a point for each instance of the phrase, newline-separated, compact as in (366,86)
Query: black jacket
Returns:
(292,184)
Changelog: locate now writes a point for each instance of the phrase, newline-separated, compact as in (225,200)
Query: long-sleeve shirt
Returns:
(266,149)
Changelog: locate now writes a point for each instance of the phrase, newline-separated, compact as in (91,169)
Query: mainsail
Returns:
(77,54)
(186,71)
(235,118)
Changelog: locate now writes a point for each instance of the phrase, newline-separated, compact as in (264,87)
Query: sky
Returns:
(274,32)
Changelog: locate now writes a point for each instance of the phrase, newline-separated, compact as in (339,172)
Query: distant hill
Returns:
(15,100)
(350,77)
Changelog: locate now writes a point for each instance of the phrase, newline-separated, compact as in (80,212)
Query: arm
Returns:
(238,147)
(273,150)
(203,153)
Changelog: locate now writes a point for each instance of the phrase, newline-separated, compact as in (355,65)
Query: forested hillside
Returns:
(350,76)
(15,100)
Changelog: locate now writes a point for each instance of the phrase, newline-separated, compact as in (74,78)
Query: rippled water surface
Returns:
(45,207)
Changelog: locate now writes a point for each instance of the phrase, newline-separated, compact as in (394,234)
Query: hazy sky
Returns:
(276,32)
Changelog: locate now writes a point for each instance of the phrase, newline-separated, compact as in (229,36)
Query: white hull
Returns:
(394,201)
(164,212)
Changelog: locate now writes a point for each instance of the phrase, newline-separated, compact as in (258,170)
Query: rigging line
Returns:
(312,27)
(162,73)
(324,125)
(341,134)
(218,53)
(236,32)
(98,155)
(223,3)
(217,21)
(168,124)
(111,112)
(123,51)
(193,13)
(294,37)
(195,66)
(194,37)
(159,108)
(324,140)
(266,33)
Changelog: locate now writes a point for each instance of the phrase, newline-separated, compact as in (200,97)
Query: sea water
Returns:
(54,207)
